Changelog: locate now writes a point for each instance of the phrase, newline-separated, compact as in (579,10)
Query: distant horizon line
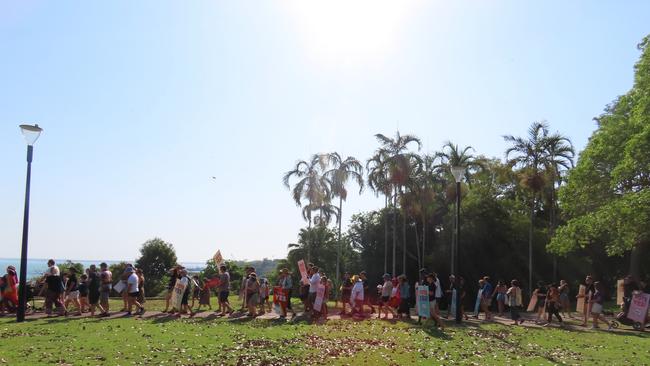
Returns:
(123,260)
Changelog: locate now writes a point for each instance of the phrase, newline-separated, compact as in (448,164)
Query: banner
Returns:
(580,304)
(320,294)
(218,258)
(422,299)
(119,287)
(214,282)
(177,295)
(303,271)
(533,302)
(639,307)
(279,296)
(452,307)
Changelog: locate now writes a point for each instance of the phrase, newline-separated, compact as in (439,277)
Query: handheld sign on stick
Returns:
(580,304)
(303,271)
(422,297)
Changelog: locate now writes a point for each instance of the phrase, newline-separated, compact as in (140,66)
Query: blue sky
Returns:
(142,102)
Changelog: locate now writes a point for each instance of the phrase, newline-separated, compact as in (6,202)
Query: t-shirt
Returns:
(287,283)
(314,281)
(132,283)
(438,288)
(72,284)
(387,289)
(83,289)
(487,290)
(347,286)
(93,282)
(404,290)
(53,279)
(224,281)
(432,291)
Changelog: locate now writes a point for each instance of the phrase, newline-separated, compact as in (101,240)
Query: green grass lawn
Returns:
(198,341)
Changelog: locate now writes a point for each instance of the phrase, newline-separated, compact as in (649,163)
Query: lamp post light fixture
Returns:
(31,134)
(458,172)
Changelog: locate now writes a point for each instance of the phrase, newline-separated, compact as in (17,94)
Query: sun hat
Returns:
(128,270)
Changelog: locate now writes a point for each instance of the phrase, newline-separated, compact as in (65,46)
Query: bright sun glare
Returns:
(349,33)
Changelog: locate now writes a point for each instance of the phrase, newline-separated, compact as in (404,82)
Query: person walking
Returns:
(141,296)
(486,298)
(346,291)
(405,298)
(106,280)
(431,284)
(9,291)
(94,286)
(132,292)
(386,292)
(439,293)
(540,292)
(589,292)
(565,303)
(286,284)
(314,281)
(252,294)
(224,291)
(596,307)
(54,289)
(72,291)
(173,276)
(553,304)
(500,294)
(367,297)
(514,302)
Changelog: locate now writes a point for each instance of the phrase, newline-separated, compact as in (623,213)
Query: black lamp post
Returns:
(458,172)
(31,134)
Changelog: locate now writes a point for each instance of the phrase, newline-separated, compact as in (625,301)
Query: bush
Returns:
(156,258)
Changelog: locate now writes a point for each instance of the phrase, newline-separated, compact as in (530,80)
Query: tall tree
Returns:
(342,171)
(156,258)
(532,156)
(400,162)
(452,155)
(312,186)
(607,196)
(379,184)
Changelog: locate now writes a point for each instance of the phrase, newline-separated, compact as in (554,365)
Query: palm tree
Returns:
(452,155)
(535,155)
(312,186)
(379,183)
(400,163)
(342,171)
(561,154)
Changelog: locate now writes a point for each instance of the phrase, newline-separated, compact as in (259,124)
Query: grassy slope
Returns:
(216,341)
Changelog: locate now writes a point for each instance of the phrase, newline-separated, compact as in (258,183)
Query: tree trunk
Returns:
(394,228)
(417,245)
(404,242)
(530,247)
(424,236)
(635,261)
(386,235)
(338,249)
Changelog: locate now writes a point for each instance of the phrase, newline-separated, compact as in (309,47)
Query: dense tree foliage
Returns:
(531,216)
(607,196)
(156,259)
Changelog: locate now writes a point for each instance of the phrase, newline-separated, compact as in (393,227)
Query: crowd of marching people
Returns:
(394,295)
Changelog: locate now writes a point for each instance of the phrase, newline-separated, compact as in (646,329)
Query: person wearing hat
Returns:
(132,291)
(386,292)
(8,292)
(286,283)
(357,296)
(252,294)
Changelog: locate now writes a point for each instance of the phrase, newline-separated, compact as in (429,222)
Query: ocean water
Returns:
(36,267)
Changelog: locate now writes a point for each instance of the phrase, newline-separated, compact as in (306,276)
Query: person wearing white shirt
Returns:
(132,292)
(314,281)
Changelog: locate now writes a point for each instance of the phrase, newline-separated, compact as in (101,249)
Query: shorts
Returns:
(223,296)
(134,294)
(103,297)
(93,298)
(186,295)
(501,297)
(73,295)
(253,299)
(345,296)
(596,308)
(384,300)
